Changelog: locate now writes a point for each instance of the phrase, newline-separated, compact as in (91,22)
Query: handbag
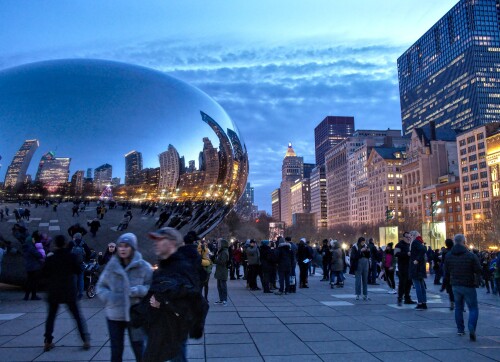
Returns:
(292,279)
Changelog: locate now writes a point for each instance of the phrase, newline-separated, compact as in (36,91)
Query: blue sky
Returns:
(277,67)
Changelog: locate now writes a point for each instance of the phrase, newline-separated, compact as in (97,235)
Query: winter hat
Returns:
(77,236)
(264,242)
(129,239)
(303,240)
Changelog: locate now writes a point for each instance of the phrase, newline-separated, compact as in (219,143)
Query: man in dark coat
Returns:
(268,260)
(173,297)
(285,261)
(403,259)
(417,268)
(460,266)
(60,271)
(327,259)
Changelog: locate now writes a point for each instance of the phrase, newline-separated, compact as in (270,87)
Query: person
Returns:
(389,263)
(207,264)
(82,251)
(326,260)
(284,256)
(337,265)
(304,258)
(401,252)
(221,271)
(94,226)
(103,259)
(446,282)
(60,271)
(267,259)
(372,271)
(460,267)
(417,268)
(124,222)
(123,282)
(253,261)
(73,229)
(496,272)
(236,256)
(33,262)
(360,255)
(293,276)
(173,298)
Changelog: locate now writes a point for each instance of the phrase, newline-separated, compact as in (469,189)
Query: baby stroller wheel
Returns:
(91,291)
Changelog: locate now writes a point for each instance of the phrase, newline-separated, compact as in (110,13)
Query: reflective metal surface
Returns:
(168,142)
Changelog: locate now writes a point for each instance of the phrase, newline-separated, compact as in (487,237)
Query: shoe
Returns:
(36,297)
(48,346)
(460,333)
(331,286)
(357,297)
(224,303)
(278,293)
(424,305)
(86,342)
(419,307)
(366,299)
(452,305)
(410,302)
(472,336)
(267,291)
(219,302)
(400,302)
(305,286)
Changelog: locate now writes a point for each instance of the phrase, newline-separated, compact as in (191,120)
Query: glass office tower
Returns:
(451,75)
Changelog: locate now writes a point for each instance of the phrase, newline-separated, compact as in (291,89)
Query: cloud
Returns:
(276,93)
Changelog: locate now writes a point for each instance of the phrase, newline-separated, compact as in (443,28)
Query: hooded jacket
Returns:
(417,253)
(460,266)
(121,287)
(221,261)
(253,255)
(285,257)
(337,258)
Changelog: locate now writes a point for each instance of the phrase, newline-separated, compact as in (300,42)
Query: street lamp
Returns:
(435,209)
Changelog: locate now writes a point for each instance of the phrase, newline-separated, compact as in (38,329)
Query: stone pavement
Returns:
(315,324)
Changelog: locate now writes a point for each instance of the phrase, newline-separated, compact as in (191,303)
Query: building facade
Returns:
(318,196)
(276,205)
(330,132)
(300,197)
(53,172)
(133,168)
(451,75)
(103,176)
(292,169)
(170,168)
(16,172)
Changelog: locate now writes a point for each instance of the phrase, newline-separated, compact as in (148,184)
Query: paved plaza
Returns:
(315,324)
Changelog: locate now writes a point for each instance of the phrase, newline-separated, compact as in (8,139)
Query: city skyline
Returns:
(268,65)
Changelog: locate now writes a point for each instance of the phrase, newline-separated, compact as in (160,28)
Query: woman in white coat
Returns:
(124,281)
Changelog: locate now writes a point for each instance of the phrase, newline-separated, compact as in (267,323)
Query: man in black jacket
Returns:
(60,270)
(401,253)
(460,267)
(326,260)
(174,298)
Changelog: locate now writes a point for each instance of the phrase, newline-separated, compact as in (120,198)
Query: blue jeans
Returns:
(116,336)
(420,290)
(284,280)
(336,275)
(470,296)
(362,277)
(79,284)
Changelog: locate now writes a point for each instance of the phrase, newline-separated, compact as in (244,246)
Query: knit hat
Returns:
(129,239)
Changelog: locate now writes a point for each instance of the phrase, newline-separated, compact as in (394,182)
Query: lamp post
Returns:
(435,209)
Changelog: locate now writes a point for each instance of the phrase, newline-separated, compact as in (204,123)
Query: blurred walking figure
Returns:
(60,271)
(122,284)
(460,266)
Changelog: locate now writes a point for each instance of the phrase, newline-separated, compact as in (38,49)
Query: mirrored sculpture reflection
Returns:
(101,130)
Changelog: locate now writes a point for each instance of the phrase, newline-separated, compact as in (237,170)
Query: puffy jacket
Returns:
(417,252)
(221,261)
(253,255)
(121,287)
(460,266)
(33,260)
(285,257)
(337,264)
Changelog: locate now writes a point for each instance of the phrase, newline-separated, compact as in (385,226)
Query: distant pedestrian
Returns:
(360,260)
(94,226)
(82,251)
(461,266)
(33,262)
(221,271)
(284,256)
(417,268)
(401,252)
(59,271)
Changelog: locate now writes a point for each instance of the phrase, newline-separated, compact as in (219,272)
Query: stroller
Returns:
(90,275)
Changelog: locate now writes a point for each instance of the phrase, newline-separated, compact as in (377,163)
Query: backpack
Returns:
(79,251)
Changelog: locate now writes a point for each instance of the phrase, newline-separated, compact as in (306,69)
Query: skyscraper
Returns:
(77,183)
(331,131)
(451,75)
(169,169)
(53,172)
(291,170)
(103,176)
(133,167)
(16,172)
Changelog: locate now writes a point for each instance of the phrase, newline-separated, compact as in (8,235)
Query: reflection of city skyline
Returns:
(221,173)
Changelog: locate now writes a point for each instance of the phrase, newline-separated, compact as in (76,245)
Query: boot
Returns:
(452,305)
(48,345)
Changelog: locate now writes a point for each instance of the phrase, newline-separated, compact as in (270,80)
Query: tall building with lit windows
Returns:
(291,171)
(53,172)
(103,176)
(16,172)
(133,168)
(451,75)
(329,132)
